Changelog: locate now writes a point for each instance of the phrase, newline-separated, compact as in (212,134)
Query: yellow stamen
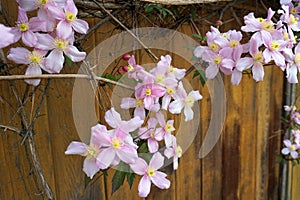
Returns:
(139,102)
(297,59)
(130,68)
(116,143)
(234,43)
(23,27)
(151,172)
(148,92)
(218,60)
(40,3)
(189,101)
(70,16)
(258,56)
(214,47)
(35,57)
(169,128)
(267,26)
(274,46)
(179,151)
(170,91)
(91,152)
(60,44)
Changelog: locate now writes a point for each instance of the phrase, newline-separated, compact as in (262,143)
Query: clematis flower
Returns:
(116,147)
(291,21)
(91,151)
(34,59)
(58,46)
(149,134)
(150,174)
(25,29)
(165,129)
(165,63)
(175,151)
(113,118)
(134,69)
(293,59)
(42,6)
(182,100)
(68,22)
(256,61)
(296,117)
(290,149)
(150,93)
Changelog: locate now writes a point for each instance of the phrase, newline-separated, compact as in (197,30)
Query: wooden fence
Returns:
(242,165)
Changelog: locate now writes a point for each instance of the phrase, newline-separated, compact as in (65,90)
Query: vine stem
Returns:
(47,76)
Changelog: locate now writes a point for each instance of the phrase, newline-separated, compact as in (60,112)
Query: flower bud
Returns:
(219,22)
(120,71)
(126,57)
(125,68)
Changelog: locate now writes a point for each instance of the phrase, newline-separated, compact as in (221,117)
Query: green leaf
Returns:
(68,61)
(118,180)
(197,36)
(110,77)
(130,178)
(202,76)
(143,148)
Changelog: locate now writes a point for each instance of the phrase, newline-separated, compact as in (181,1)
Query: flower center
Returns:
(170,91)
(258,56)
(35,57)
(171,69)
(60,44)
(91,152)
(292,148)
(179,151)
(267,26)
(139,102)
(151,172)
(130,68)
(274,46)
(234,43)
(214,47)
(293,19)
(23,27)
(116,143)
(297,59)
(70,16)
(152,134)
(189,101)
(40,3)
(169,128)
(218,60)
(148,92)
(160,78)
(293,10)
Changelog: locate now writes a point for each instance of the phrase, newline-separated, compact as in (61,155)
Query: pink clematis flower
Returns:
(42,6)
(293,67)
(165,63)
(134,69)
(68,22)
(149,134)
(136,103)
(290,149)
(291,21)
(150,174)
(91,151)
(59,47)
(182,100)
(25,29)
(175,151)
(116,147)
(34,59)
(165,129)
(150,93)
(296,117)
(256,62)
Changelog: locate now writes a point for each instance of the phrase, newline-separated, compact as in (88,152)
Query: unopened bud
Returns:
(219,23)
(125,68)
(126,57)
(120,71)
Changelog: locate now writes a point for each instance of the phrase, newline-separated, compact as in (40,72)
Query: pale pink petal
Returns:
(51,22)
(75,55)
(33,70)
(139,167)
(176,106)
(244,63)
(113,118)
(169,152)
(132,124)
(76,148)
(294,154)
(29,38)
(99,136)
(159,135)
(195,95)
(188,113)
(287,143)
(60,3)
(139,112)
(148,102)
(45,41)
(127,154)
(54,62)
(179,73)
(159,179)
(160,119)
(105,158)
(258,72)
(175,163)
(211,71)
(90,168)
(199,51)
(9,36)
(37,24)
(236,77)
(70,6)
(64,29)
(56,12)
(22,16)
(279,59)
(19,55)
(27,5)
(152,145)
(80,26)
(128,103)
(157,161)
(144,186)
(166,101)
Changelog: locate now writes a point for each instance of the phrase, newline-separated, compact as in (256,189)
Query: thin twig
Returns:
(83,76)
(5,127)
(130,32)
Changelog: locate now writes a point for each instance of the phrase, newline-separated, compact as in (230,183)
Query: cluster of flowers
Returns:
(49,36)
(292,145)
(270,42)
(157,90)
